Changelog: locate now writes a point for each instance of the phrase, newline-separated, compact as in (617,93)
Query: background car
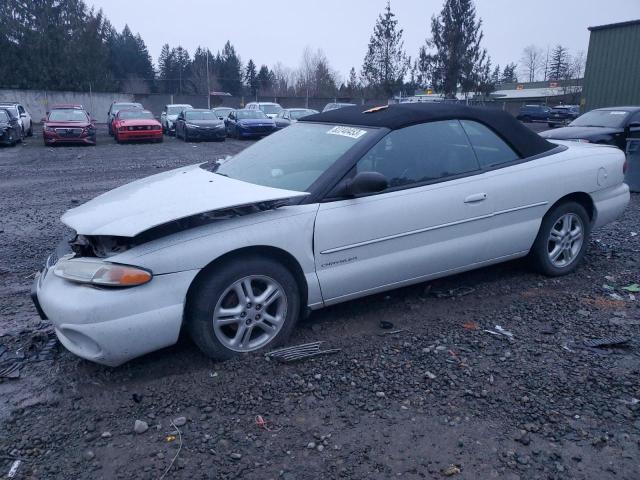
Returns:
(291,115)
(200,124)
(249,124)
(10,128)
(534,113)
(270,109)
(607,126)
(24,118)
(336,105)
(222,112)
(136,124)
(169,116)
(563,114)
(115,108)
(68,124)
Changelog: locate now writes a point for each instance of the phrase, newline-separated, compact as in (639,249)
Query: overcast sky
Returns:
(278,30)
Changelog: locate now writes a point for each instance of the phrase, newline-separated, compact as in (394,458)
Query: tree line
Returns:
(65,45)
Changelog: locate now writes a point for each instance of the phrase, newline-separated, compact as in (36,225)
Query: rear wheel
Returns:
(562,240)
(30,131)
(245,306)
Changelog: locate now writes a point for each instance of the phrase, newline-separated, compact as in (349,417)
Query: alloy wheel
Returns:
(250,313)
(565,240)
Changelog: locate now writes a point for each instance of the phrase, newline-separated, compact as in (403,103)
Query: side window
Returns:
(421,153)
(20,109)
(490,149)
(635,118)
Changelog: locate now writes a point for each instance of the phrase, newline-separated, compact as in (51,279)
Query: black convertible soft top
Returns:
(526,142)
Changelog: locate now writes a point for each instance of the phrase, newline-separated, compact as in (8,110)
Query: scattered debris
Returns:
(451,470)
(633,288)
(14,468)
(213,374)
(11,370)
(265,425)
(179,433)
(548,329)
(179,422)
(386,325)
(393,332)
(429,375)
(471,325)
(299,352)
(607,342)
(499,331)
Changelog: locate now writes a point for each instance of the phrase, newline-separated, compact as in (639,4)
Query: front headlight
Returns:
(191,125)
(49,129)
(101,273)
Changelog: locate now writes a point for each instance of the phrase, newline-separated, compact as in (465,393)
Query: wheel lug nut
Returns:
(258,307)
(243,314)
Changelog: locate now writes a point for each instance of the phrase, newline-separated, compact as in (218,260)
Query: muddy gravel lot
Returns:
(435,396)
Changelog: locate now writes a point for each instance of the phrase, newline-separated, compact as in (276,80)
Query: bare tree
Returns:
(531,61)
(576,65)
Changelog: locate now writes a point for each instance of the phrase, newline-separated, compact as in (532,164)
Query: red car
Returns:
(68,124)
(136,125)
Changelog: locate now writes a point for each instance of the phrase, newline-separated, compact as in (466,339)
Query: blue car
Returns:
(534,113)
(249,124)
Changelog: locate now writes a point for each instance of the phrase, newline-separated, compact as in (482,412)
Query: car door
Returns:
(634,126)
(518,189)
(432,220)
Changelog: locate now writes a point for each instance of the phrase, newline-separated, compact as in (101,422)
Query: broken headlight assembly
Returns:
(103,274)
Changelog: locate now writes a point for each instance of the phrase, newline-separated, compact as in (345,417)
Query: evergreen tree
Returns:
(250,78)
(353,85)
(166,68)
(496,78)
(509,73)
(385,63)
(230,70)
(456,37)
(559,65)
(265,79)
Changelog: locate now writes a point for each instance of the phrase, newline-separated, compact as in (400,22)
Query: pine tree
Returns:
(353,85)
(496,78)
(250,77)
(559,65)
(265,79)
(509,73)
(385,63)
(456,37)
(230,70)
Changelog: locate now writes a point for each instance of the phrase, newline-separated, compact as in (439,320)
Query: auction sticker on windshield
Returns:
(350,132)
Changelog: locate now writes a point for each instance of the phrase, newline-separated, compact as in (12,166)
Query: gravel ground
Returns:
(440,398)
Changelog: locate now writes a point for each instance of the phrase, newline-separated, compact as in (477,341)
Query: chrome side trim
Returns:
(428,229)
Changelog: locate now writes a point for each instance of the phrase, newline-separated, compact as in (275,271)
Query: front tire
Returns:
(562,240)
(243,306)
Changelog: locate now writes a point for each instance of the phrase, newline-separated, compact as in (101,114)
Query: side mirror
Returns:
(366,182)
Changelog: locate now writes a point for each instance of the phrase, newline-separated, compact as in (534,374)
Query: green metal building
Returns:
(612,74)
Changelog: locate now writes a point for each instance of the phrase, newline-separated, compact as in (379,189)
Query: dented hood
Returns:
(138,206)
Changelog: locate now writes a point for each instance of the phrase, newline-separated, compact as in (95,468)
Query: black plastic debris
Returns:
(386,325)
(299,352)
(616,341)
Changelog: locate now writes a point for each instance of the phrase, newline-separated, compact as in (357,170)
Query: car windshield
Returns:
(601,118)
(68,115)
(3,116)
(293,158)
(208,115)
(223,112)
(270,109)
(245,114)
(135,115)
(175,110)
(298,114)
(124,106)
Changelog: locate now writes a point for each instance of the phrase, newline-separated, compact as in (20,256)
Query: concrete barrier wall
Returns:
(37,102)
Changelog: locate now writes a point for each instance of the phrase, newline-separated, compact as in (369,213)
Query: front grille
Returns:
(69,132)
(260,128)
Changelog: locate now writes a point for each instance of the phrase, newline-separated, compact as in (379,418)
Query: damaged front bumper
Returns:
(112,325)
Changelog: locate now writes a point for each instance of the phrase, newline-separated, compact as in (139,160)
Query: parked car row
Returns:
(553,116)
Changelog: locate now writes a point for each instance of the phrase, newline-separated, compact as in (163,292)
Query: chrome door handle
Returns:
(475,198)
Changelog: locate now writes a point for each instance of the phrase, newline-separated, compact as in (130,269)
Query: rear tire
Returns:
(217,317)
(564,234)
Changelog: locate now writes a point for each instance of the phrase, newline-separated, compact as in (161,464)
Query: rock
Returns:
(88,455)
(429,375)
(451,470)
(380,394)
(236,456)
(106,435)
(140,426)
(317,376)
(180,421)
(584,313)
(311,445)
(320,448)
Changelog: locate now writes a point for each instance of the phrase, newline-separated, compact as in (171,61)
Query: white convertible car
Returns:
(340,205)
